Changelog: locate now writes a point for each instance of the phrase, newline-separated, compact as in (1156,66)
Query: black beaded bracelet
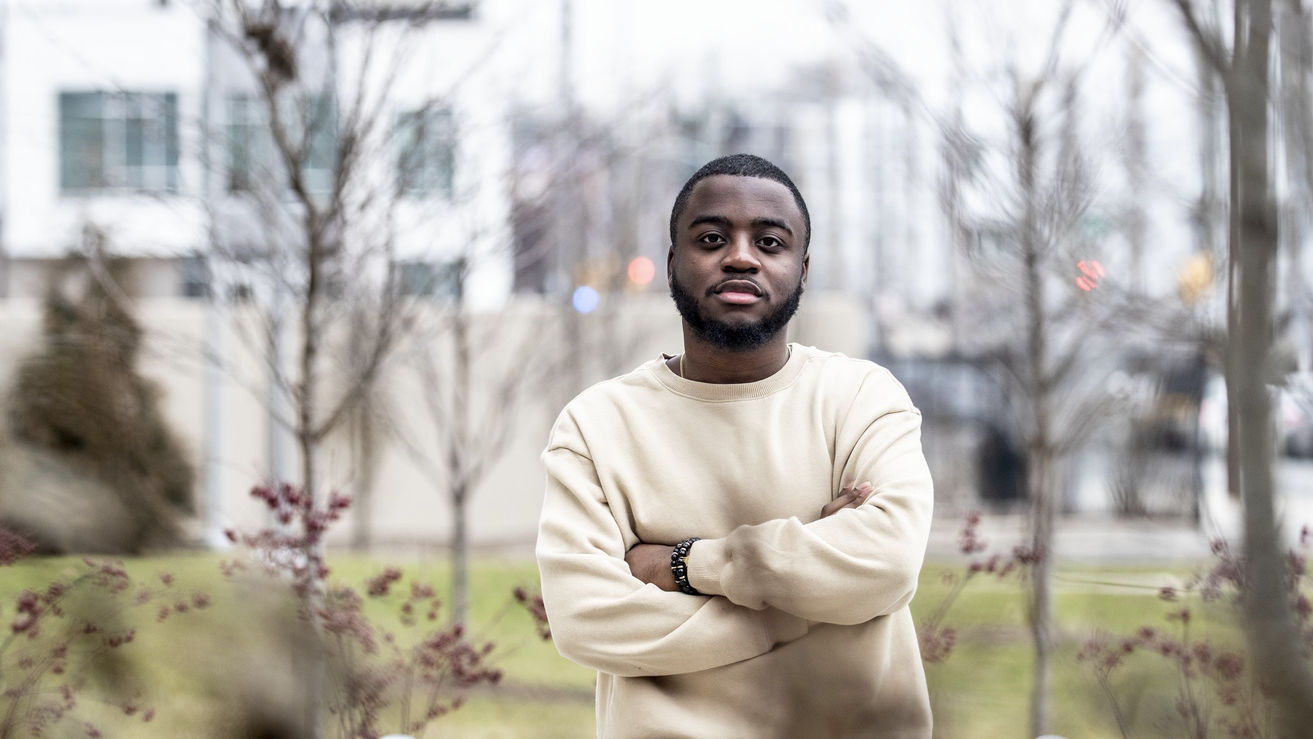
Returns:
(679,567)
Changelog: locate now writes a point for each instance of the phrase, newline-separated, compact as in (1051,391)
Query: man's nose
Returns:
(740,256)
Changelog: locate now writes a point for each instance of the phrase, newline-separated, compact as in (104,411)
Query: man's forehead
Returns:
(724,190)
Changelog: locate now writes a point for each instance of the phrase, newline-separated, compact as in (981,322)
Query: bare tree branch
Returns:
(1208,41)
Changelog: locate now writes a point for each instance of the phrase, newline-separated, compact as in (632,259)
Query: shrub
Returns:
(373,675)
(1216,686)
(67,636)
(81,399)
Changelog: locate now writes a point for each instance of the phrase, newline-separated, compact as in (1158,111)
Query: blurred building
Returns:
(136,126)
(136,119)
(96,98)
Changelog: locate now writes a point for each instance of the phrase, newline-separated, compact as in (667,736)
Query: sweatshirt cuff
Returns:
(706,560)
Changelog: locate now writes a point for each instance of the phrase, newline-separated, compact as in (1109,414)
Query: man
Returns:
(731,536)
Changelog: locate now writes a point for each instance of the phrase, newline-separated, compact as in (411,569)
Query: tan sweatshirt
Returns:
(803,629)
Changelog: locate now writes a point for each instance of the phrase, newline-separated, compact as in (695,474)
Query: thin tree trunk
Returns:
(460,550)
(1040,446)
(1135,159)
(1234,365)
(1207,217)
(1041,469)
(314,666)
(1296,54)
(1271,626)
(365,424)
(310,658)
(456,465)
(366,459)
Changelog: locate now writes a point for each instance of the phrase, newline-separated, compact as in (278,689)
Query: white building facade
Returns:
(138,119)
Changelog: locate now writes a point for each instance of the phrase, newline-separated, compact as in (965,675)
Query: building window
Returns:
(118,141)
(195,276)
(426,152)
(246,146)
(252,157)
(408,11)
(425,279)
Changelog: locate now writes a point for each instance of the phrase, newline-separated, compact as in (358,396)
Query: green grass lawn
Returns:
(201,670)
(983,688)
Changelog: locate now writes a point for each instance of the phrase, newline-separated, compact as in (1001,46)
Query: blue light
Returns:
(585,299)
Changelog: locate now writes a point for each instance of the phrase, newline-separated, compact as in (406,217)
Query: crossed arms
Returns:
(650,563)
(614,609)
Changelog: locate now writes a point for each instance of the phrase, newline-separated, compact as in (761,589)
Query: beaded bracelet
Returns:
(679,567)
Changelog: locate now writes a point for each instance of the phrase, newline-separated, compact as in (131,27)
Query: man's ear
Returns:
(806,262)
(670,263)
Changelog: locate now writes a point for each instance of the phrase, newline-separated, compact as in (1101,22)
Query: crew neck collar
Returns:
(716,391)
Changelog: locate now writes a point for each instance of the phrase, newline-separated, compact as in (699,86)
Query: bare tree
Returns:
(311,217)
(367,426)
(1244,66)
(477,370)
(1013,203)
(1019,201)
(472,371)
(305,205)
(1294,26)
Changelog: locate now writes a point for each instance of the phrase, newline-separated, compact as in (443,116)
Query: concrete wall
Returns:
(406,509)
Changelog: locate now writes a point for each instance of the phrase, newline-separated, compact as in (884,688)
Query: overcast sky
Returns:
(626,49)
(685,45)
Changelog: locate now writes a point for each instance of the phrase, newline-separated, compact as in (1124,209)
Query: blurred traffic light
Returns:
(585,299)
(641,271)
(1195,278)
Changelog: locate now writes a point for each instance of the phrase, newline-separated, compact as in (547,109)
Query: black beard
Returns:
(733,338)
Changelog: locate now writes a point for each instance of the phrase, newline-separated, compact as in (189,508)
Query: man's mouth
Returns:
(739,292)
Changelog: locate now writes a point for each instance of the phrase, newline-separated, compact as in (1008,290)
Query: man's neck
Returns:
(704,362)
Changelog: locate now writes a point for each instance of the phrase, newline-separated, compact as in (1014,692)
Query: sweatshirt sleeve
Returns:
(852,566)
(602,617)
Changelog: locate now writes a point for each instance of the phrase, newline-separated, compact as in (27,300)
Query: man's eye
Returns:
(770,242)
(711,238)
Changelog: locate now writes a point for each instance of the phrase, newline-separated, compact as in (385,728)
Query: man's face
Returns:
(737,269)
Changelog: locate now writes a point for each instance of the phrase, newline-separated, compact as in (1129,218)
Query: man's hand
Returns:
(651,563)
(851,496)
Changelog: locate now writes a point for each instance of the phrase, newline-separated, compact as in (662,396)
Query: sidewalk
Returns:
(1105,538)
(1085,538)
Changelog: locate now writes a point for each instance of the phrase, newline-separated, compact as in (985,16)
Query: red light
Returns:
(641,270)
(1091,272)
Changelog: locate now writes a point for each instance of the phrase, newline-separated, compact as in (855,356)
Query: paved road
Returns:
(1090,538)
(1101,536)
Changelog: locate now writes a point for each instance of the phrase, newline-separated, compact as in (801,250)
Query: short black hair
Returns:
(740,165)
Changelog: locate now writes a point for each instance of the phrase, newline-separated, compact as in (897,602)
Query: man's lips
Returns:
(739,292)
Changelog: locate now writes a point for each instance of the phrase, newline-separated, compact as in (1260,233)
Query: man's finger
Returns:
(850,496)
(862,492)
(857,500)
(836,505)
(841,501)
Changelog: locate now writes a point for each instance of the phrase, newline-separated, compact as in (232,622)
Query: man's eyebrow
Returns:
(717,220)
(774,222)
(756,222)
